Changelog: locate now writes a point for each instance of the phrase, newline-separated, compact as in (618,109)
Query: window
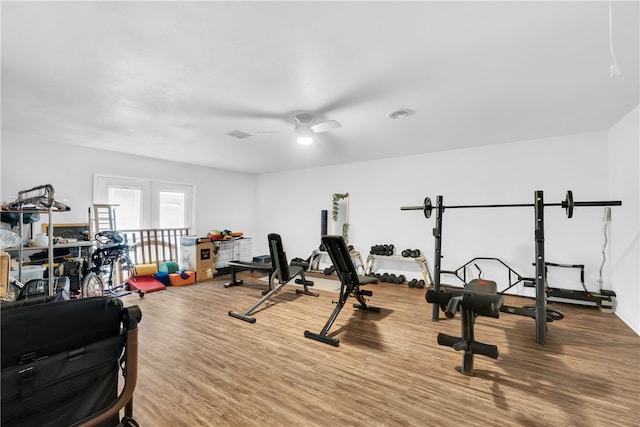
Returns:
(145,203)
(171,209)
(129,206)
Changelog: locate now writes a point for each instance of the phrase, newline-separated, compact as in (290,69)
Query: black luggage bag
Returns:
(61,362)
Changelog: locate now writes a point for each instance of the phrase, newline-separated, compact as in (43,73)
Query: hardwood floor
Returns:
(200,367)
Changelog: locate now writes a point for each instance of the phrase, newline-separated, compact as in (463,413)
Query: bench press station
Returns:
(478,298)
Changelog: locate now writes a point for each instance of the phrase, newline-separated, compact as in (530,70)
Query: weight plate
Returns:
(427,207)
(569,204)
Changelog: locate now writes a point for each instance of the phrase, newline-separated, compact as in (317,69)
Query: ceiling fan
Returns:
(306,126)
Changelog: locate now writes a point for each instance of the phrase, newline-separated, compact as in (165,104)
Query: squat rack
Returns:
(540,278)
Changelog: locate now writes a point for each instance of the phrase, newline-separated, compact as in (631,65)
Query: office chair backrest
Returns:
(339,254)
(278,256)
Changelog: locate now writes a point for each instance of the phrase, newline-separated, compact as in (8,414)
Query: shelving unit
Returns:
(39,199)
(79,246)
(232,250)
(421,261)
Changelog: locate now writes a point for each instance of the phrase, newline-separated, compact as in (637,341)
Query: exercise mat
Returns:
(145,284)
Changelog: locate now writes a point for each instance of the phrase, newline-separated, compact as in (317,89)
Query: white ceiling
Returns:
(170,79)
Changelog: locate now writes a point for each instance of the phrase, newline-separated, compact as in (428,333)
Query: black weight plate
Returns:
(569,202)
(427,207)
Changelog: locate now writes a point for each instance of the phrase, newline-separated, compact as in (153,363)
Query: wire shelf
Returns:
(233,250)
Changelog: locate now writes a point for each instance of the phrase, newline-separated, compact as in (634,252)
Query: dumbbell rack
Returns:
(421,261)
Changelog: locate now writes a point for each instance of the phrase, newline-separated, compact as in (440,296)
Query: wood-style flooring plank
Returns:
(200,367)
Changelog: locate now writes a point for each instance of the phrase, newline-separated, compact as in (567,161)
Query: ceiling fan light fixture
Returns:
(304,136)
(304,140)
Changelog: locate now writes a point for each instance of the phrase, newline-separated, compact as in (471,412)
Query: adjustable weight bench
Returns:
(350,283)
(478,298)
(281,270)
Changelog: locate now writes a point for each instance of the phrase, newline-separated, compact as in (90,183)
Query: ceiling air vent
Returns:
(400,114)
(238,134)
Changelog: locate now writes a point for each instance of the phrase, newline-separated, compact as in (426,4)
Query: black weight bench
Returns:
(282,271)
(350,283)
(478,298)
(238,266)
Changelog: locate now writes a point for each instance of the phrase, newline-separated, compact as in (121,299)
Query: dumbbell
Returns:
(385,250)
(415,283)
(329,270)
(411,253)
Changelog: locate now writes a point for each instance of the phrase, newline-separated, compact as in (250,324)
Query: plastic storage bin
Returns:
(29,272)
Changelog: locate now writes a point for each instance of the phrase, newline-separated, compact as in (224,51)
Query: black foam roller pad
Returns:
(488,350)
(448,340)
(437,297)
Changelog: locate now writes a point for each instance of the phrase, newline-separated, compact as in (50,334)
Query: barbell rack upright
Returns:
(541,295)
(437,258)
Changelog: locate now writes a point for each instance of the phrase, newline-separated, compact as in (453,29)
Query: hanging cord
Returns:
(614,70)
(607,219)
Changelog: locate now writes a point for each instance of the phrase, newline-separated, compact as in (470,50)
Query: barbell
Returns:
(568,204)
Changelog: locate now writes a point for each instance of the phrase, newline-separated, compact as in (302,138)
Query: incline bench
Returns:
(282,272)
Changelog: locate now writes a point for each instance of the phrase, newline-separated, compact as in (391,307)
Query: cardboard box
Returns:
(198,256)
(4,274)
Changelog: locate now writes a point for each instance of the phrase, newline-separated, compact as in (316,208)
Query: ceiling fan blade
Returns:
(325,126)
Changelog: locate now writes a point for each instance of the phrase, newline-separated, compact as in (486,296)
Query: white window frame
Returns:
(150,189)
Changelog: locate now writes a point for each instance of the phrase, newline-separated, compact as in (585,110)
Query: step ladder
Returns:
(103,218)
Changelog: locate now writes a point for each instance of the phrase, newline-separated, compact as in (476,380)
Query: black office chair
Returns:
(350,285)
(283,272)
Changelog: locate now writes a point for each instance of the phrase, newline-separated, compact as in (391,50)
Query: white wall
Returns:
(624,183)
(290,203)
(224,199)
